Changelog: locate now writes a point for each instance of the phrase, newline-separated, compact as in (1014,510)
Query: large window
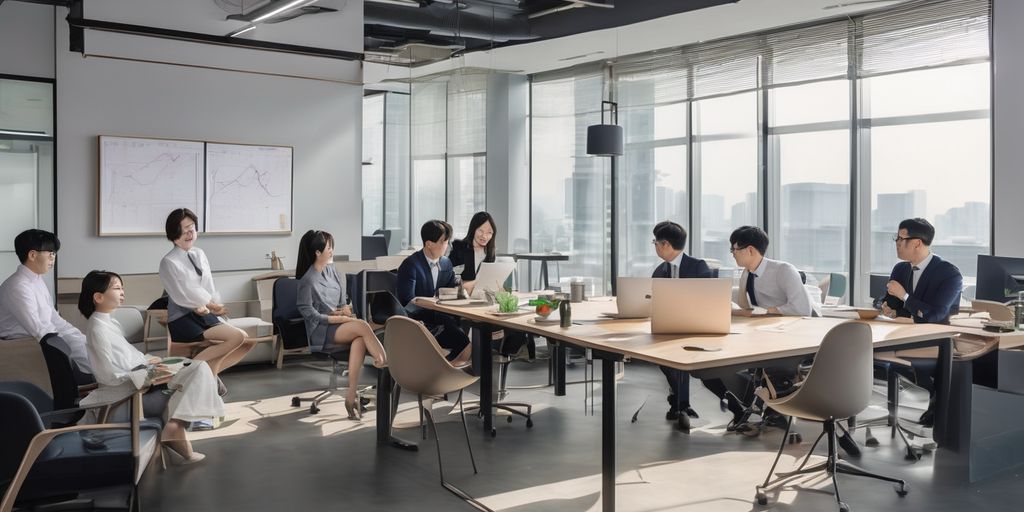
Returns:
(652,174)
(570,191)
(428,143)
(930,157)
(396,169)
(726,161)
(809,152)
(467,148)
(26,163)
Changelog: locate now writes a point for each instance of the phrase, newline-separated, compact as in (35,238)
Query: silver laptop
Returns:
(691,306)
(633,297)
(491,277)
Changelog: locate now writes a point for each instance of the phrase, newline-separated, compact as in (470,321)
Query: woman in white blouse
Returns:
(193,306)
(120,369)
(328,320)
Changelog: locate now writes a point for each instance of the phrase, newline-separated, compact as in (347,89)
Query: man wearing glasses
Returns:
(669,241)
(26,308)
(924,287)
(773,285)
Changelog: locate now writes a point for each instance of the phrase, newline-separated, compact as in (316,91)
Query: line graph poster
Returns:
(141,180)
(248,188)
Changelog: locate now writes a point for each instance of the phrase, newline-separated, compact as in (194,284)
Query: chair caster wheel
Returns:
(901,489)
(871,441)
(762,498)
(494,432)
(843,507)
(529,422)
(912,455)
(313,409)
(795,438)
(296,402)
(508,419)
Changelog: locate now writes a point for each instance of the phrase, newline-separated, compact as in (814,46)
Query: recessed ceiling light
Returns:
(574,57)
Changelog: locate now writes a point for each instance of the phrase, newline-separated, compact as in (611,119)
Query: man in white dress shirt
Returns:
(26,308)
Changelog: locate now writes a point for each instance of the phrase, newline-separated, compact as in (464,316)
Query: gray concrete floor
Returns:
(272,457)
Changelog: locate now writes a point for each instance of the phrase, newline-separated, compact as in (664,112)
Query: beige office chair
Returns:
(837,387)
(418,365)
(997,311)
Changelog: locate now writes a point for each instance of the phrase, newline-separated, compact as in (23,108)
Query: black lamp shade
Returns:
(605,140)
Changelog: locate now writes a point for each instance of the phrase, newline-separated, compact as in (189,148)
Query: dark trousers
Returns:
(446,330)
(679,386)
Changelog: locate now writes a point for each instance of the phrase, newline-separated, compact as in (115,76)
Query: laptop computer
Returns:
(632,297)
(691,306)
(491,277)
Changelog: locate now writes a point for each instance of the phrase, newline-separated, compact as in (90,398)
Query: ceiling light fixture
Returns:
(242,30)
(287,7)
(265,13)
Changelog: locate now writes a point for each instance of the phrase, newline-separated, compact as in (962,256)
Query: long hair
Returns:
(312,241)
(479,218)
(96,281)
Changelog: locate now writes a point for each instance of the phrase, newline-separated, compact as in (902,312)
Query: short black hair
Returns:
(672,233)
(435,230)
(96,281)
(750,236)
(173,225)
(919,228)
(34,240)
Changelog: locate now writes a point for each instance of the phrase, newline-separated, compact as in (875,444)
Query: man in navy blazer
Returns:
(669,240)
(420,275)
(923,287)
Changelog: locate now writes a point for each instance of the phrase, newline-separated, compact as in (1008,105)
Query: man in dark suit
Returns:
(923,287)
(420,275)
(669,240)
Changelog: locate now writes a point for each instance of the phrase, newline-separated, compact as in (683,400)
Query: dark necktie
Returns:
(195,265)
(750,288)
(912,270)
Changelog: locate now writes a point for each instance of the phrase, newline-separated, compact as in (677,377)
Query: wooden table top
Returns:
(751,339)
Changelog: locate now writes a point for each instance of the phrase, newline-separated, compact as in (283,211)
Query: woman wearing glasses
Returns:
(194,309)
(329,322)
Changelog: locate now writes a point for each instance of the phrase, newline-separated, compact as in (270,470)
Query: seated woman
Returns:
(120,369)
(476,248)
(193,306)
(328,320)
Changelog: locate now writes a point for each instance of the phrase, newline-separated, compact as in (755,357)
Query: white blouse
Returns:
(185,287)
(119,368)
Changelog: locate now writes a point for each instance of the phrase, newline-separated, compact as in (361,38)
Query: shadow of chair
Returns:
(837,387)
(417,364)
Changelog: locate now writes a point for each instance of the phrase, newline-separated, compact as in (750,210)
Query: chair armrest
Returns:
(43,439)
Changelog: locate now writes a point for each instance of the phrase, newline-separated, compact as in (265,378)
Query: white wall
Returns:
(26,39)
(320,118)
(1008,117)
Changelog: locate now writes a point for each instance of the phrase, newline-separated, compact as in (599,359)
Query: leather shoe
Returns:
(684,422)
(672,414)
(848,445)
(691,413)
(927,418)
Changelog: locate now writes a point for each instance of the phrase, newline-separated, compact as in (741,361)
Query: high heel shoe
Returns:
(354,411)
(178,459)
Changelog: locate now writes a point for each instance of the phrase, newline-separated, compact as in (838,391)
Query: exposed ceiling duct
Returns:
(449,20)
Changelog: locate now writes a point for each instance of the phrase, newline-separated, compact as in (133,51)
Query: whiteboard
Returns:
(248,188)
(142,180)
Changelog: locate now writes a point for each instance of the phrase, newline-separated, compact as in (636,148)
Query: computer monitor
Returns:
(999,277)
(374,246)
(878,285)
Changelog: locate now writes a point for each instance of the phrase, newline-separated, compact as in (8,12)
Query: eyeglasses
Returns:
(734,250)
(655,241)
(897,238)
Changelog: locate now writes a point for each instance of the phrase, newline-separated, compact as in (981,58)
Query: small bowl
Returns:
(552,309)
(868,314)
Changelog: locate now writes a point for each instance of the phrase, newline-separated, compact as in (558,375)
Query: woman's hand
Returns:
(336,319)
(469,285)
(153,360)
(345,310)
(217,309)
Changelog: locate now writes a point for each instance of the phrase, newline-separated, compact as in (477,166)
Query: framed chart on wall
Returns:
(248,188)
(142,179)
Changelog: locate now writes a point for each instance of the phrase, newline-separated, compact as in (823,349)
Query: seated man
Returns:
(26,309)
(766,283)
(669,240)
(924,287)
(420,275)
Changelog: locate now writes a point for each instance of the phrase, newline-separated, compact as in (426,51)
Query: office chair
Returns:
(837,387)
(418,365)
(386,233)
(41,465)
(504,359)
(374,246)
(291,329)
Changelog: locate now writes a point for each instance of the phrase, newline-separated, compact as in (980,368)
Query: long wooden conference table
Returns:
(752,342)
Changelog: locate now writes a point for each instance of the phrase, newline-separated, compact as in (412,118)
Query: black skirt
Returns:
(190,328)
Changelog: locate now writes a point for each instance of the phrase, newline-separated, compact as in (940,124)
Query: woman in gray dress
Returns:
(328,320)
